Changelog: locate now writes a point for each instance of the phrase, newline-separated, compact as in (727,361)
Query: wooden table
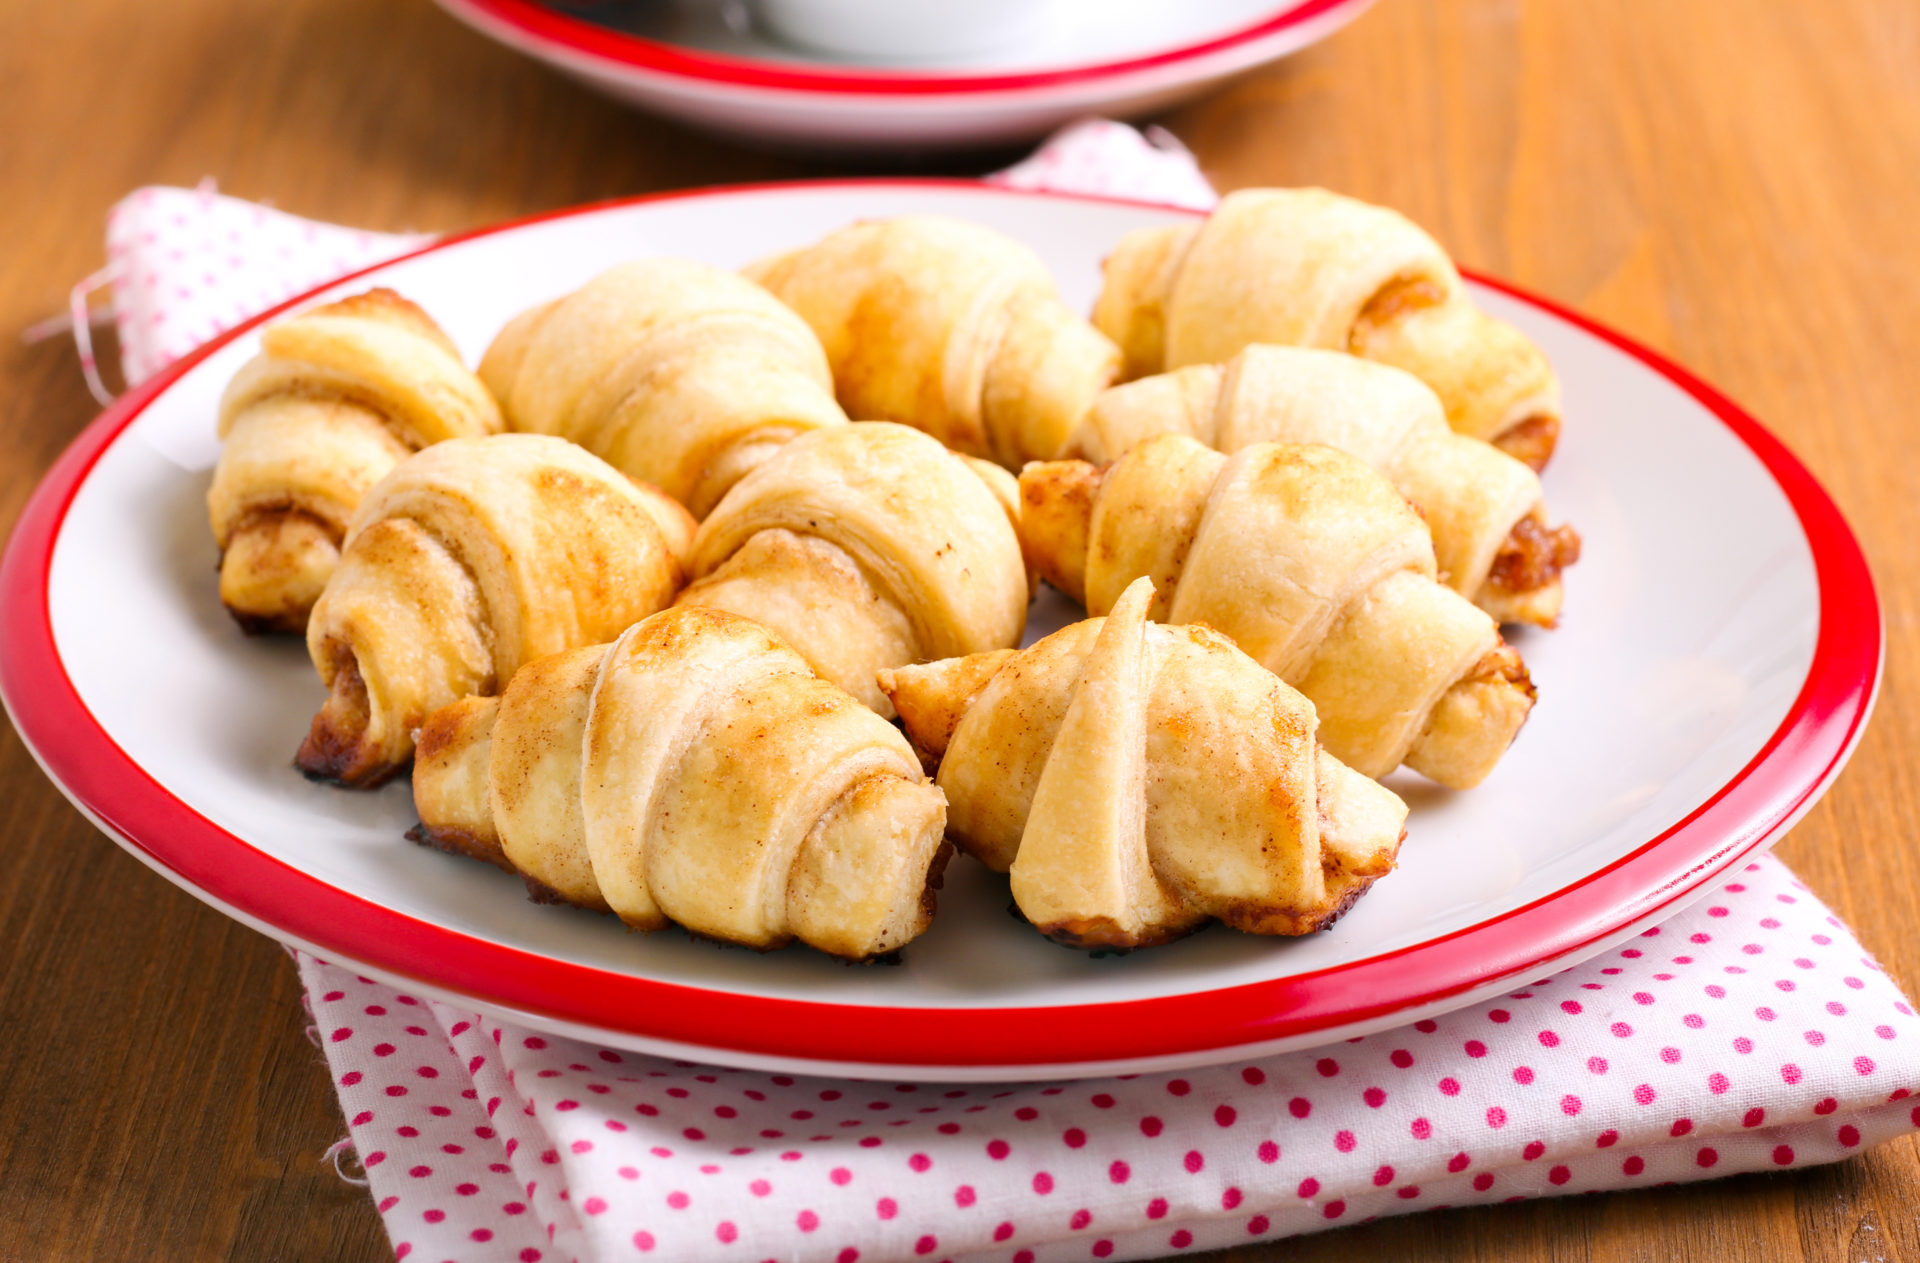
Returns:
(1733,183)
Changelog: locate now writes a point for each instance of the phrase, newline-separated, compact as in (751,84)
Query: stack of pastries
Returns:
(700,601)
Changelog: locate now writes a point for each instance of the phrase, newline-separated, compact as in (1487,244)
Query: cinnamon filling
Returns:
(259,517)
(1500,665)
(1533,555)
(1396,299)
(454,840)
(1532,441)
(936,878)
(336,748)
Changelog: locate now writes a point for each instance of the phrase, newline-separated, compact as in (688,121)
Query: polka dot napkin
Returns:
(1750,1032)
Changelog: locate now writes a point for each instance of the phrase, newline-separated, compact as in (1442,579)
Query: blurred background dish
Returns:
(904,31)
(1005,78)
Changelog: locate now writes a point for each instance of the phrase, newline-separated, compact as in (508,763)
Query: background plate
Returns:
(1716,664)
(1114,57)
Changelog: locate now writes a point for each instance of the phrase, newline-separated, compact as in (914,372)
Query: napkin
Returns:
(1749,1032)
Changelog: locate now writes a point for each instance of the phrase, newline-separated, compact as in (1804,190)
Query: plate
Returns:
(1116,57)
(1717,662)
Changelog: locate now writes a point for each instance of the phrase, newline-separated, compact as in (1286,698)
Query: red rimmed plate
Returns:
(1717,662)
(1122,60)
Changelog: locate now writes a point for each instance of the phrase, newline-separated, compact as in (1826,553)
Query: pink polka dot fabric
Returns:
(188,264)
(1113,160)
(1750,1032)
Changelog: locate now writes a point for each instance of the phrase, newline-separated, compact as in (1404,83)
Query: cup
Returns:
(901,30)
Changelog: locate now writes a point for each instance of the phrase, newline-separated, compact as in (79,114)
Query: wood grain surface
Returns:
(1733,183)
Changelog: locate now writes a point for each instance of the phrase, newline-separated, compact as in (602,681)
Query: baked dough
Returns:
(473,557)
(949,327)
(680,374)
(1305,267)
(337,396)
(867,546)
(1136,779)
(695,771)
(1485,509)
(1315,567)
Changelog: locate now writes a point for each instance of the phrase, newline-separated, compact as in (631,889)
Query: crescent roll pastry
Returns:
(695,771)
(949,327)
(1136,779)
(471,558)
(1305,267)
(1311,563)
(680,374)
(1484,508)
(337,396)
(865,546)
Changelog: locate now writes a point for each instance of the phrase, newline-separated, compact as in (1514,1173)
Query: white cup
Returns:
(901,30)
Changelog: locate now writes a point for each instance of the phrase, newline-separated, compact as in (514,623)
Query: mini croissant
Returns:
(949,327)
(337,396)
(1305,267)
(695,771)
(865,546)
(473,557)
(680,374)
(1485,508)
(1313,565)
(1136,779)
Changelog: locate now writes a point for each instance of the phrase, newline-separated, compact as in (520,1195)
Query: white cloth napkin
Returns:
(1749,1032)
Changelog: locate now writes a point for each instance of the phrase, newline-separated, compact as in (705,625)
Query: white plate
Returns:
(1716,663)
(1113,57)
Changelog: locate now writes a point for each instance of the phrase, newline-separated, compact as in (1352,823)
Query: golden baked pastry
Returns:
(337,396)
(695,771)
(948,327)
(1305,267)
(1485,509)
(680,374)
(865,546)
(1314,566)
(473,557)
(1136,779)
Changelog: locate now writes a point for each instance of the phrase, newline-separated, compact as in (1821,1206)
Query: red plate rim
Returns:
(1791,769)
(570,36)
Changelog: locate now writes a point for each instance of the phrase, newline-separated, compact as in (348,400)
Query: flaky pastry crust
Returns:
(1485,508)
(1305,267)
(682,375)
(470,559)
(867,546)
(337,396)
(1136,779)
(949,327)
(1311,563)
(696,771)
